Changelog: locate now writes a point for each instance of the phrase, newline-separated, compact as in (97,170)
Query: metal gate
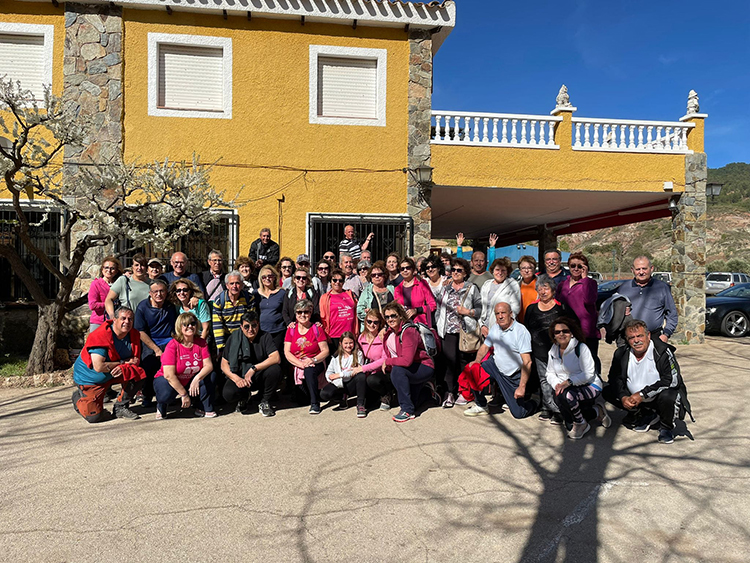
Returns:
(45,234)
(222,236)
(392,234)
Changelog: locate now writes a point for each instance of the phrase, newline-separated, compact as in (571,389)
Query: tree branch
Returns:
(16,263)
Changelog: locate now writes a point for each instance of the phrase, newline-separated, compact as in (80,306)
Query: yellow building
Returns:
(318,114)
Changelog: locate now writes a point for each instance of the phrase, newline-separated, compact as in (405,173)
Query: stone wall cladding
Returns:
(93,80)
(419,150)
(689,253)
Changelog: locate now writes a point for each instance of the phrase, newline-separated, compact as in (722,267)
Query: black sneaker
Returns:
(361,411)
(545,415)
(110,395)
(314,409)
(666,436)
(241,406)
(556,419)
(343,404)
(121,411)
(265,409)
(645,424)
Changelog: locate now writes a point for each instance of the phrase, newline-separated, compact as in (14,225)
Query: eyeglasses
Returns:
(109,268)
(406,268)
(376,275)
(337,280)
(300,278)
(305,312)
(250,327)
(526,268)
(190,324)
(459,271)
(323,268)
(562,331)
(268,277)
(372,321)
(182,290)
(575,266)
(157,291)
(551,259)
(215,260)
(234,283)
(390,317)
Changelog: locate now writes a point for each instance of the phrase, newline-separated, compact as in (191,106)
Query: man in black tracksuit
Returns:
(263,250)
(645,379)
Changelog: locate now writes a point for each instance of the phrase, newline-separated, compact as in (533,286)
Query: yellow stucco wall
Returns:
(563,169)
(270,124)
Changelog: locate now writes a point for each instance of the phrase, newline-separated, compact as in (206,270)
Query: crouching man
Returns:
(110,356)
(645,380)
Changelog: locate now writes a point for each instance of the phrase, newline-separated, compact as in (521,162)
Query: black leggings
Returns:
(380,383)
(455,361)
(310,386)
(357,385)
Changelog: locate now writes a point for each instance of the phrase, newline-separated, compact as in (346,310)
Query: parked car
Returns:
(596,276)
(728,311)
(607,289)
(663,276)
(719,281)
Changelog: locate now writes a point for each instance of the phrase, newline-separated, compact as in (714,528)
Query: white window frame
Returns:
(44,30)
(156,39)
(379,55)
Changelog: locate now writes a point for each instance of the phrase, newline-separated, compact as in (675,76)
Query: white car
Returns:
(719,281)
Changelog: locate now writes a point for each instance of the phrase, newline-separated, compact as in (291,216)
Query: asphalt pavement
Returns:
(332,487)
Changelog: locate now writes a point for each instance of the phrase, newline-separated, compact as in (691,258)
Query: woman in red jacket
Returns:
(415,294)
(412,368)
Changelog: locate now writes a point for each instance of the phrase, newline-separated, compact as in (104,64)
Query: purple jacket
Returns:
(581,299)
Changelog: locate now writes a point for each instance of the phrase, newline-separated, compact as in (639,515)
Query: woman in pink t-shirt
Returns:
(338,310)
(186,370)
(305,347)
(375,352)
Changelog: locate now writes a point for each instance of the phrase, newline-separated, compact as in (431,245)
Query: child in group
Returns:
(341,381)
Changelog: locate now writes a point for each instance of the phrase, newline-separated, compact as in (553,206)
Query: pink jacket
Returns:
(421,296)
(97,294)
(375,353)
(409,350)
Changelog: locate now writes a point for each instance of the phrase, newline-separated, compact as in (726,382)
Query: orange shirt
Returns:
(528,296)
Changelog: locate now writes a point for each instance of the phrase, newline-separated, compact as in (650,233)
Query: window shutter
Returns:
(22,59)
(191,78)
(347,88)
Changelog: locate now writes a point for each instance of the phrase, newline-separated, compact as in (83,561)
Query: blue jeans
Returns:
(165,393)
(519,408)
(408,383)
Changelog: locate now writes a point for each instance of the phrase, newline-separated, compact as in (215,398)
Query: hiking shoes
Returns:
(403,416)
(265,409)
(121,411)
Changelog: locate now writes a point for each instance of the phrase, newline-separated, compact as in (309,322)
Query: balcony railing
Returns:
(621,135)
(494,129)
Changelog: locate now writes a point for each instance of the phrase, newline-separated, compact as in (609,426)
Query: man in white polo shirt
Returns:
(645,380)
(509,365)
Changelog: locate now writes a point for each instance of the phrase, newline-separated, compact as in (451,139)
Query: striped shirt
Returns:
(226,316)
(351,247)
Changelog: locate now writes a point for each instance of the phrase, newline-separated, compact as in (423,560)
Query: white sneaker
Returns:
(579,430)
(476,410)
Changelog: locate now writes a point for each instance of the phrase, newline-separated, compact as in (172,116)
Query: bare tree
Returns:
(153,204)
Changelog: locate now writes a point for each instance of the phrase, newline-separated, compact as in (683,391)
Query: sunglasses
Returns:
(190,324)
(268,277)
(376,275)
(300,278)
(576,266)
(337,280)
(406,268)
(286,267)
(390,317)
(428,268)
(250,327)
(329,257)
(326,268)
(458,271)
(182,290)
(372,322)
(562,331)
(304,312)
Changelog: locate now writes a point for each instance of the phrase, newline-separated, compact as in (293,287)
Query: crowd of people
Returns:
(393,332)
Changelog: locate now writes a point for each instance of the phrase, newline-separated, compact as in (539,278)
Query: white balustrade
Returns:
(622,135)
(494,129)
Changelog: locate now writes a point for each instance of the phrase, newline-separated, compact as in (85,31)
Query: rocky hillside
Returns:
(728,232)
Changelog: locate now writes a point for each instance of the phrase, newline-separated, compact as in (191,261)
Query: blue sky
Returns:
(626,60)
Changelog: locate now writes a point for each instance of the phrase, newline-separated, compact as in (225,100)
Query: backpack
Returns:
(429,338)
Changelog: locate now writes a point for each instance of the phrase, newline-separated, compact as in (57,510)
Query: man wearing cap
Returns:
(351,246)
(155,269)
(352,280)
(179,263)
(263,250)
(303,261)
